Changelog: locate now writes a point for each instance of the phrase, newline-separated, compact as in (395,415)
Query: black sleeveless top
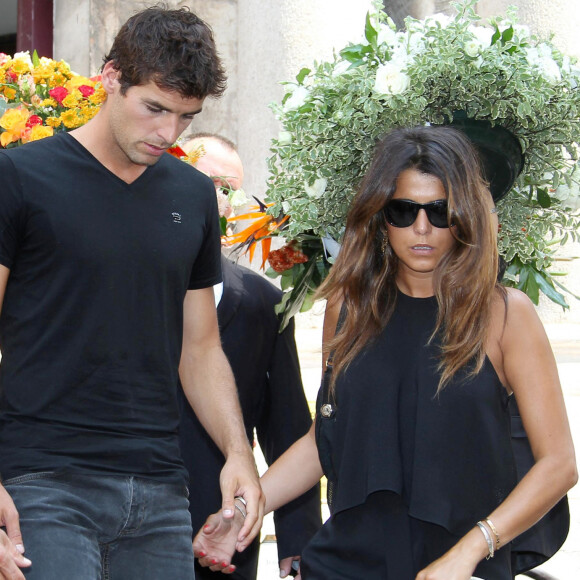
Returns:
(448,456)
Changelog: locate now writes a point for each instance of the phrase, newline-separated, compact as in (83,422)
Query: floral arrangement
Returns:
(497,71)
(40,96)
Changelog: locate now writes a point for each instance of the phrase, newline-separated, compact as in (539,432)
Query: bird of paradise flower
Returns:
(260,231)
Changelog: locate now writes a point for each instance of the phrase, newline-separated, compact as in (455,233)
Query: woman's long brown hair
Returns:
(364,276)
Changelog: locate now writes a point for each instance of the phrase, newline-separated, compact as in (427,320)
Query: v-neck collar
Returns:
(87,153)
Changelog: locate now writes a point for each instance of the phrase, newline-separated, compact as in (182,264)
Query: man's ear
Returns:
(110,77)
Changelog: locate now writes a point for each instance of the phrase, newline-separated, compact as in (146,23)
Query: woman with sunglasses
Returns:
(427,348)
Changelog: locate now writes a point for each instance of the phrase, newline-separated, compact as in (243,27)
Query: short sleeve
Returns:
(206,269)
(11,211)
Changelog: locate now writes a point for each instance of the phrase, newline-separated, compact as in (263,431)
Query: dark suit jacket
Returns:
(266,368)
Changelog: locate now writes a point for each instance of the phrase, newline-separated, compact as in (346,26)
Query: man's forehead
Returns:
(169,99)
(217,159)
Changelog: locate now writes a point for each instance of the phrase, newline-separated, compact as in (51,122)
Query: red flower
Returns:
(284,258)
(58,94)
(86,91)
(33,120)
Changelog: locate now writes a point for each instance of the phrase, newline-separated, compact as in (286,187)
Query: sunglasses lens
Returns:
(401,213)
(437,214)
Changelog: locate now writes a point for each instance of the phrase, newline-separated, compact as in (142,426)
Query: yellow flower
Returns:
(63,68)
(13,119)
(99,96)
(53,122)
(14,123)
(42,73)
(49,103)
(71,101)
(20,67)
(40,132)
(70,119)
(57,80)
(194,155)
(78,80)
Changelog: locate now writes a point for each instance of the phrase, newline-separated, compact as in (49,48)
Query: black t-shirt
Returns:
(91,325)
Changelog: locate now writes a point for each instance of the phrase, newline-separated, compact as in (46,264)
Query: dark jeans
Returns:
(93,527)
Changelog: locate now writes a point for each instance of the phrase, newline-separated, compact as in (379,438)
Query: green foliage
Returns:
(334,114)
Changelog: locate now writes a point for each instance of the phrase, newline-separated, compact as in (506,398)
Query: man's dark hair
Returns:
(173,48)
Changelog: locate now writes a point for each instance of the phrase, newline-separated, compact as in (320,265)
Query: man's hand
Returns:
(239,478)
(288,565)
(11,545)
(215,544)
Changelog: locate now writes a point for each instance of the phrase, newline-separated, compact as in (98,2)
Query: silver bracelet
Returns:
(239,507)
(488,539)
(494,530)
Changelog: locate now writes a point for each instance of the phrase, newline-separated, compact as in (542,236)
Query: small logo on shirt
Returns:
(176,217)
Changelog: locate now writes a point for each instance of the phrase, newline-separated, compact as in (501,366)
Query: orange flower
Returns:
(9,93)
(260,230)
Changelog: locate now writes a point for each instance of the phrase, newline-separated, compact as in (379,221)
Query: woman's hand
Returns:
(459,562)
(215,544)
(447,568)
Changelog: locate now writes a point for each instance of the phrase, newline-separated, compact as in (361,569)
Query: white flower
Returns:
(568,196)
(522,31)
(550,70)
(541,57)
(414,42)
(237,198)
(442,19)
(317,188)
(390,79)
(25,56)
(284,138)
(472,48)
(297,98)
(482,35)
(386,36)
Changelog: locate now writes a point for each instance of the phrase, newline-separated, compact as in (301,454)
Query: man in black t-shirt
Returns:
(109,249)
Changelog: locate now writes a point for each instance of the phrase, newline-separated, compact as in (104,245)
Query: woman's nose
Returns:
(422,224)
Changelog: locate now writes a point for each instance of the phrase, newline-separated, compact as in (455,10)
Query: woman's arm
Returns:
(291,475)
(531,372)
(527,365)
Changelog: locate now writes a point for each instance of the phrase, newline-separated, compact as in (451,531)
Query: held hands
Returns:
(11,546)
(239,478)
(215,544)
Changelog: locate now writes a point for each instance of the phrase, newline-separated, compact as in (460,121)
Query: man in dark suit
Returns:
(267,372)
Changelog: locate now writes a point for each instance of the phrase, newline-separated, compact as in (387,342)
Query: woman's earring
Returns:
(385,243)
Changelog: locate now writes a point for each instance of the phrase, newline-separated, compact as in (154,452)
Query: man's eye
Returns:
(154,109)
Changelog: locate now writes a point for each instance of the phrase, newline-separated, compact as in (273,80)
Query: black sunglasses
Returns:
(402,213)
